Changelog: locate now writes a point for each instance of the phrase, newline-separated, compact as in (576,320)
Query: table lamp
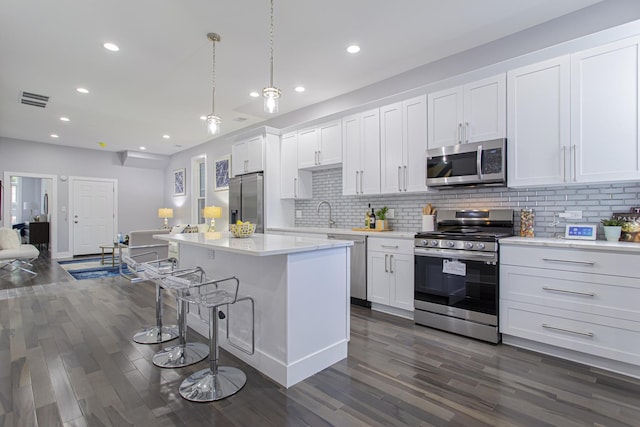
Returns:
(212,212)
(165,213)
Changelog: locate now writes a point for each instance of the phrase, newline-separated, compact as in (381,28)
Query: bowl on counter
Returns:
(242,230)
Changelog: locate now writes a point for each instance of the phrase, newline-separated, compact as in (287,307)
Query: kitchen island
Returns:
(301,291)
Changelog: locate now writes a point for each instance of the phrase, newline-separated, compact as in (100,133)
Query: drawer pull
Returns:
(390,246)
(564,291)
(569,261)
(585,334)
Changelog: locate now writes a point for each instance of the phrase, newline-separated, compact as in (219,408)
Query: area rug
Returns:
(92,268)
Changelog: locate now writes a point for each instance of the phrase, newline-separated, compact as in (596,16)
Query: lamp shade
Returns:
(165,213)
(212,212)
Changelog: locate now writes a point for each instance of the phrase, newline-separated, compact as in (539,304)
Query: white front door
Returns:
(93,215)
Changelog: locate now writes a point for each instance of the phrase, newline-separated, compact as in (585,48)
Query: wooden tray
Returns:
(370,229)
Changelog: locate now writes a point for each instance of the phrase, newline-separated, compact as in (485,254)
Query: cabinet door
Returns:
(330,144)
(239,158)
(604,113)
(370,153)
(392,149)
(288,165)
(485,112)
(401,288)
(378,277)
(255,156)
(308,148)
(445,117)
(414,125)
(538,123)
(351,146)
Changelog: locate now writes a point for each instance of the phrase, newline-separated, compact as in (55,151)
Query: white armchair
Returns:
(14,254)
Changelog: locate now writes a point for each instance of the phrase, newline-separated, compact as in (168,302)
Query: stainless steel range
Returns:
(457,272)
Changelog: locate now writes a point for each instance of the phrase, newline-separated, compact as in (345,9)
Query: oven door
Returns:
(459,281)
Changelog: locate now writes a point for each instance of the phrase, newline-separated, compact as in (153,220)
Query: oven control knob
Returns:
(468,245)
(434,243)
(480,245)
(450,244)
(424,242)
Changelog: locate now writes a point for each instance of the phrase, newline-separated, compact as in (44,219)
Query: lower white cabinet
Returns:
(577,303)
(390,272)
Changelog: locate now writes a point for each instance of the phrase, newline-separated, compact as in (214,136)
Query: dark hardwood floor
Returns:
(66,358)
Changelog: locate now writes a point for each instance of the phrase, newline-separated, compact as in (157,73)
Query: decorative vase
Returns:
(612,233)
(381,224)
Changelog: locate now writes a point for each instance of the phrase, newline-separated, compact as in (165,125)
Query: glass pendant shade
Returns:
(213,124)
(271,96)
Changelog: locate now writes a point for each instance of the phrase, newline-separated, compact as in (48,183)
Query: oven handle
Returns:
(461,255)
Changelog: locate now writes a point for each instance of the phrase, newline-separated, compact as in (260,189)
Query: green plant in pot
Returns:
(381,218)
(612,228)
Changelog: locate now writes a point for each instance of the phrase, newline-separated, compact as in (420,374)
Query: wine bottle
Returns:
(372,219)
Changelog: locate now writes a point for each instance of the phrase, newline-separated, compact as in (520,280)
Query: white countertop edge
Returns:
(325,230)
(256,245)
(567,243)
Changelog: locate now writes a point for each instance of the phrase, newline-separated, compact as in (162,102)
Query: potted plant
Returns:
(612,228)
(381,218)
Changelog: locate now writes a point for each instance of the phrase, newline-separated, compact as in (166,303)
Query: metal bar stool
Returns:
(185,353)
(151,270)
(216,382)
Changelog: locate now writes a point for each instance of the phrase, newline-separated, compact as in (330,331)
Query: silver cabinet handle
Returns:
(564,163)
(466,132)
(459,133)
(479,161)
(391,263)
(315,157)
(569,261)
(564,291)
(404,180)
(386,259)
(584,334)
(399,180)
(75,221)
(357,174)
(295,188)
(361,178)
(389,246)
(575,164)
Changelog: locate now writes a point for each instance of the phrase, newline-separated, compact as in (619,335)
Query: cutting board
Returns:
(371,229)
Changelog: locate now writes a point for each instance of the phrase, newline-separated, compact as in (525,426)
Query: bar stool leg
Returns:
(159,333)
(215,382)
(183,354)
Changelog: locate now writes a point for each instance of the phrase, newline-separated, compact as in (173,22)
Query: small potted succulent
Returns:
(612,228)
(381,218)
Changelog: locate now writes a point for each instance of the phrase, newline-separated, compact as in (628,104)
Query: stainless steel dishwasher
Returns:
(358,267)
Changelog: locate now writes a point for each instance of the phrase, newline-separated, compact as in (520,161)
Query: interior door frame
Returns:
(71,182)
(53,205)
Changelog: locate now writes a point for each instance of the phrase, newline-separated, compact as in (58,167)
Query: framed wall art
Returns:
(222,167)
(179,182)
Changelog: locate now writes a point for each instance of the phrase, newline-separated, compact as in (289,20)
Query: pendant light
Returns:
(213,121)
(271,93)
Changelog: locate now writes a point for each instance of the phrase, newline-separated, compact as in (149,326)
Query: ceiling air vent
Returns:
(240,119)
(34,99)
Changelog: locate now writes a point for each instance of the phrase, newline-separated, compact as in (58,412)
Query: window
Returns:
(199,188)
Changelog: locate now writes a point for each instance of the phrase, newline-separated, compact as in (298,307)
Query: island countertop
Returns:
(257,245)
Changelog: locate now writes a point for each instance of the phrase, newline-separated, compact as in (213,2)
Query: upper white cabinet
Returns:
(320,147)
(247,156)
(538,105)
(604,113)
(403,143)
(294,183)
(361,153)
(469,113)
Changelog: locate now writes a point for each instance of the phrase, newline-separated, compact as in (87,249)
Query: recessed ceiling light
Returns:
(166,136)
(300,89)
(65,119)
(203,117)
(53,135)
(354,48)
(143,148)
(82,90)
(112,47)
(254,94)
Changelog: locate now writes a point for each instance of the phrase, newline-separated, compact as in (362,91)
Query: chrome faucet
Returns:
(332,223)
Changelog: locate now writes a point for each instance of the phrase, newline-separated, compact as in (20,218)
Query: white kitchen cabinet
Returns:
(538,107)
(361,153)
(577,302)
(469,113)
(604,113)
(390,272)
(403,144)
(294,183)
(247,156)
(320,147)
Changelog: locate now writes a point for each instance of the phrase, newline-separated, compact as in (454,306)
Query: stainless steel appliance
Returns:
(476,163)
(246,199)
(358,267)
(457,272)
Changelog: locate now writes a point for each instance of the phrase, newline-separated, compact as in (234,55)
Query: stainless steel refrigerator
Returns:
(246,199)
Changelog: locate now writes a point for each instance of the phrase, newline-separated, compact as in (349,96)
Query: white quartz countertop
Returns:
(600,245)
(257,245)
(347,231)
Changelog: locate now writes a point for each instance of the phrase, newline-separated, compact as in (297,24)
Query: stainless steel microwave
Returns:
(472,164)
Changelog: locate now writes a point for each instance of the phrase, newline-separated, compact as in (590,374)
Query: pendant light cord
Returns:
(271,45)
(213,74)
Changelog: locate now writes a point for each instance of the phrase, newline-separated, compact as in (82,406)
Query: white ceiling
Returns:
(160,81)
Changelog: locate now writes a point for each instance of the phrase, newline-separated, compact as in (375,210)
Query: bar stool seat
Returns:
(215,382)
